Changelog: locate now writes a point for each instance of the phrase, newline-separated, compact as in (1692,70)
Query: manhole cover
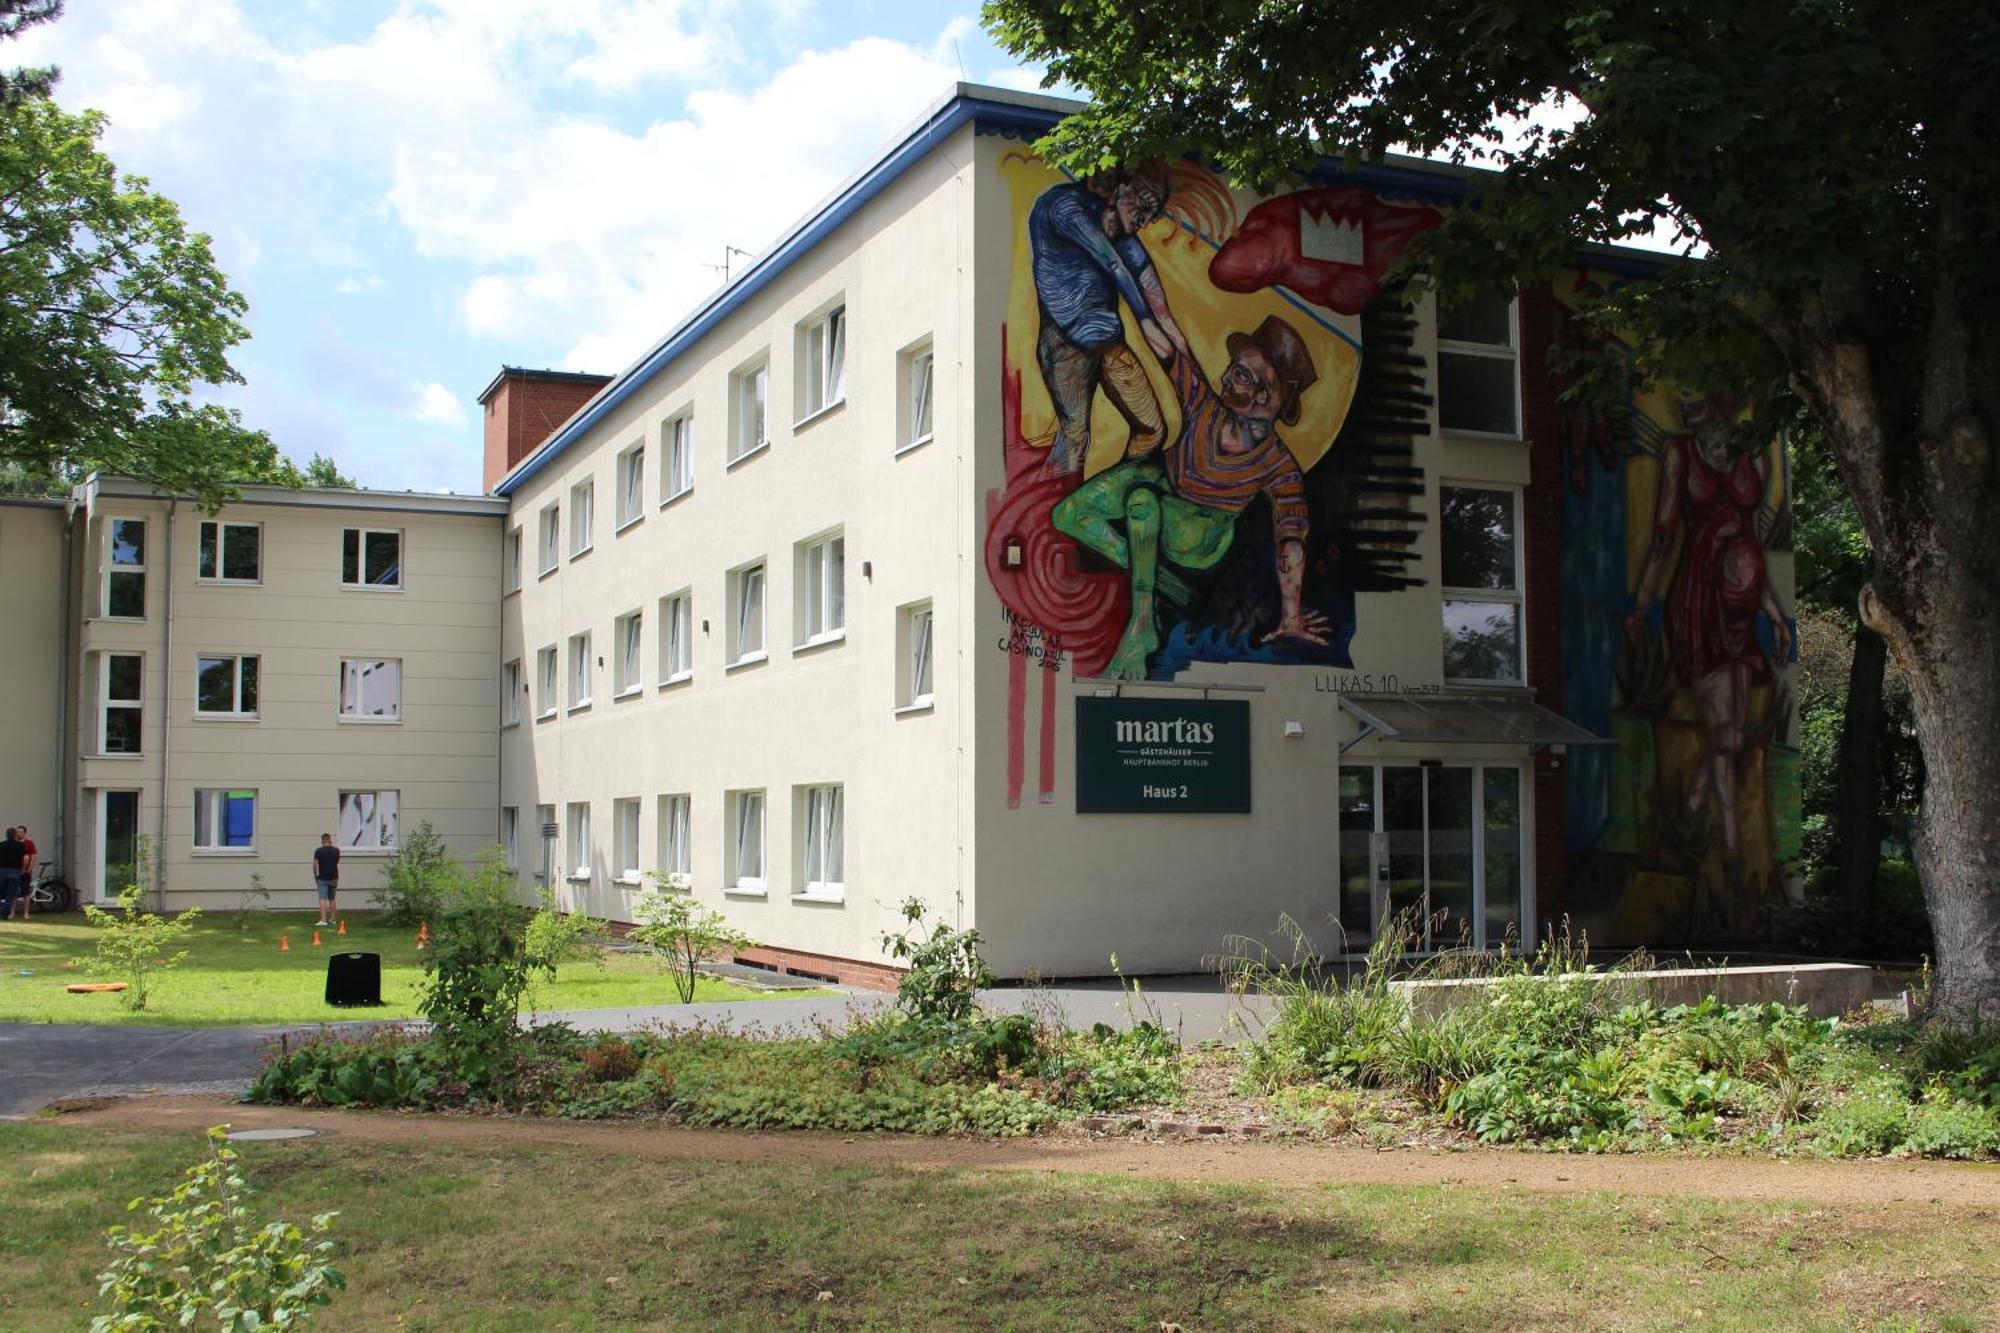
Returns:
(278,1132)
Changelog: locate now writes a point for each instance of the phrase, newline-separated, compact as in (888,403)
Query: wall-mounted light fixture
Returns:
(1294,730)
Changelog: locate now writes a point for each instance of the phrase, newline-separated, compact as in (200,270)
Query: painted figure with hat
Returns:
(1181,508)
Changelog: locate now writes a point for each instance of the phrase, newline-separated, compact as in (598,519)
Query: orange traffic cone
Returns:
(342,930)
(424,935)
(284,944)
(315,939)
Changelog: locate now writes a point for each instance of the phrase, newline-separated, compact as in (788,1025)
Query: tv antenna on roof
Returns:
(728,251)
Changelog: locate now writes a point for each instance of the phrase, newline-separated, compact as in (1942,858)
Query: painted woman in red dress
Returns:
(1712,484)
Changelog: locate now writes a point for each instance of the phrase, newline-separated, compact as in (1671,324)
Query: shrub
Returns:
(683,931)
(1318,1028)
(558,938)
(388,1067)
(945,972)
(1323,1110)
(1948,1126)
(210,1261)
(1869,1122)
(1966,1059)
(416,879)
(1105,1069)
(133,943)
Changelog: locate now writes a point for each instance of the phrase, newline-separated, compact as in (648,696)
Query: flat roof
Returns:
(312,497)
(963,104)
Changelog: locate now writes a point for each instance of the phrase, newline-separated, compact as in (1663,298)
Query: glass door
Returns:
(117,842)
(1438,844)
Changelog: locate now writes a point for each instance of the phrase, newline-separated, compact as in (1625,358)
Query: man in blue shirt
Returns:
(1087,257)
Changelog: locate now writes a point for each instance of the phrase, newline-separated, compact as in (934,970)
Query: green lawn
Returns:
(517,1236)
(238,975)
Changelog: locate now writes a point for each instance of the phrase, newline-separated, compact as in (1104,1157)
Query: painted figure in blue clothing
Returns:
(1088,256)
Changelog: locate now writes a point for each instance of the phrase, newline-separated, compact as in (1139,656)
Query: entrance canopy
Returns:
(1462,719)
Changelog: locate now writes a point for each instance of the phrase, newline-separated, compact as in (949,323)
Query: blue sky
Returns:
(411,194)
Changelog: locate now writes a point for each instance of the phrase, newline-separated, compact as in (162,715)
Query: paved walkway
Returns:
(41,1062)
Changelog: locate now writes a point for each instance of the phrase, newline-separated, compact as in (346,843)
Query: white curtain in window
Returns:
(749,837)
(677,835)
(630,649)
(750,612)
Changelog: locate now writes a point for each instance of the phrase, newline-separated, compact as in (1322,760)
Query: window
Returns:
(913,649)
(1477,386)
(510,693)
(549,537)
(632,484)
(579,840)
(822,589)
(629,677)
(512,558)
(510,834)
(545,682)
(676,858)
(676,638)
(579,670)
(224,821)
(225,686)
(371,689)
(125,568)
(230,552)
(582,504)
(751,392)
(625,840)
(118,727)
(746,842)
(823,361)
(915,419)
(1481,583)
(371,558)
(369,820)
(822,855)
(746,614)
(677,447)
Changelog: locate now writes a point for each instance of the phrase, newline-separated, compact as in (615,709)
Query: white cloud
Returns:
(437,405)
(349,286)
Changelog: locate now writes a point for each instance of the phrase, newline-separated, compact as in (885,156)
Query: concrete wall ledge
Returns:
(1827,990)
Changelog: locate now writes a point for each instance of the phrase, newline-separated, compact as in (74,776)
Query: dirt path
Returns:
(1276,1163)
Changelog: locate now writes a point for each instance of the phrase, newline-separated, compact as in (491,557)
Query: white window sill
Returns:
(238,852)
(746,891)
(200,716)
(352,720)
(748,660)
(625,523)
(228,583)
(371,587)
(836,897)
(513,591)
(119,754)
(923,705)
(1497,436)
(123,620)
(367,853)
(578,555)
(579,876)
(629,692)
(547,570)
(826,640)
(508,724)
(666,500)
(913,445)
(819,413)
(546,715)
(678,678)
(680,881)
(632,880)
(580,705)
(762,446)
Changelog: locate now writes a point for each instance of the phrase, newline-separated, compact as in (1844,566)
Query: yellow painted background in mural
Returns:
(1205,313)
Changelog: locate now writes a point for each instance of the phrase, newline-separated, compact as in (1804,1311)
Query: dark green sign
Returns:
(1162,756)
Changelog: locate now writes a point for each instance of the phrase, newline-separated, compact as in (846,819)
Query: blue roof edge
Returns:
(986,107)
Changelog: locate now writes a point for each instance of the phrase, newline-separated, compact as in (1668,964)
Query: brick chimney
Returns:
(524,407)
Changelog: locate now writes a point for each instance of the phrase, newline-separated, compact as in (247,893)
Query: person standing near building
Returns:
(26,897)
(326,876)
(12,853)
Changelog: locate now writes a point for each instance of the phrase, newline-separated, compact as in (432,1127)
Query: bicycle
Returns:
(50,892)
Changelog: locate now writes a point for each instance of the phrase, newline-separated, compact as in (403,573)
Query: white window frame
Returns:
(221,527)
(627,636)
(510,693)
(1515,596)
(1511,353)
(582,517)
(676,851)
(820,574)
(216,798)
(112,569)
(511,558)
(383,844)
(576,831)
(676,633)
(237,712)
(676,456)
(625,865)
(548,538)
(631,473)
(105,703)
(360,537)
(739,852)
(822,818)
(916,421)
(510,835)
(749,390)
(822,348)
(916,656)
(744,580)
(581,677)
(352,671)
(548,682)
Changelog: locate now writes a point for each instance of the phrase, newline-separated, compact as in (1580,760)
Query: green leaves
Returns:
(136,943)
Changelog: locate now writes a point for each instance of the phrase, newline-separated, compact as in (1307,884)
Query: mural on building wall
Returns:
(1676,646)
(1210,421)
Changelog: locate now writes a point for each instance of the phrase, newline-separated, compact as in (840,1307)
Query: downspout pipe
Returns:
(166,710)
(65,626)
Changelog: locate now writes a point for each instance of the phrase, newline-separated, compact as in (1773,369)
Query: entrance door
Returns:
(1438,843)
(117,841)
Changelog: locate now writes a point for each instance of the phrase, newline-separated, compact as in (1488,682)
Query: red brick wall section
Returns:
(1541,522)
(524,410)
(845,971)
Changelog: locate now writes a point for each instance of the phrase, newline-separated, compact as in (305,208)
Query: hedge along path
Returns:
(1288,1163)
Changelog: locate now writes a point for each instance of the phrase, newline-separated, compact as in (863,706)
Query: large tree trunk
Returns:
(1858,805)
